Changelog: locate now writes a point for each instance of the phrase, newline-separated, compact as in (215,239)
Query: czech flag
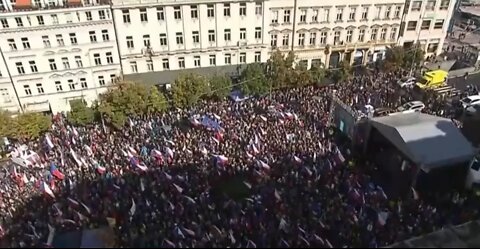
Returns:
(46,189)
(55,172)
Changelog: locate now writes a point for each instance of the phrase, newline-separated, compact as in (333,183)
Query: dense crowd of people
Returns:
(264,172)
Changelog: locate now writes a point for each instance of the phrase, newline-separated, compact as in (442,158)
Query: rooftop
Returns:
(30,5)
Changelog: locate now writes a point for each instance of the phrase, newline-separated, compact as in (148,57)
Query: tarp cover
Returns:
(427,140)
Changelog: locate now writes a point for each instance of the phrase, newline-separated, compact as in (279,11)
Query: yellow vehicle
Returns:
(432,79)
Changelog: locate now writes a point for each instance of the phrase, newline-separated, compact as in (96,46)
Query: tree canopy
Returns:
(254,80)
(188,89)
(24,126)
(80,113)
(280,69)
(220,86)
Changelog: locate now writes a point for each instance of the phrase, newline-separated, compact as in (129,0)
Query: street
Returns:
(461,84)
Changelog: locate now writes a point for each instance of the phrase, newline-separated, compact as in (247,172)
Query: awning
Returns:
(23,3)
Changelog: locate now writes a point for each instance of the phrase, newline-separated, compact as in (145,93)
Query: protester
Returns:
(264,172)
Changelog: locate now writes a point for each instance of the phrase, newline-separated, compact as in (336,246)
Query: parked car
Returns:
(472,110)
(470,101)
(412,106)
(407,82)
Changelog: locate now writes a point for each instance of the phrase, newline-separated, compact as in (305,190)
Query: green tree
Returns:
(318,74)
(156,101)
(29,125)
(221,86)
(188,89)
(302,76)
(254,80)
(394,58)
(342,73)
(80,113)
(280,71)
(6,122)
(414,56)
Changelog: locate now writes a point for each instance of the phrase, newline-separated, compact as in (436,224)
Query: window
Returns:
(163,39)
(181,62)
(83,83)
(286,39)
(4,22)
(275,16)
(303,16)
(160,14)
(431,4)
(387,12)
(78,61)
(130,42)
(227,35)
(443,5)
(243,57)
(286,16)
(313,38)
(210,11)
(60,40)
(46,41)
(416,5)
(66,64)
(349,36)
(426,24)
(258,56)
(365,13)
(373,36)
(326,15)
(40,20)
(55,18)
(258,33)
(20,68)
(393,34)
(40,88)
(258,9)
(73,38)
(12,44)
(28,91)
(196,61)
(5,95)
(179,38)
(133,66)
(361,35)
(383,34)
(101,79)
(194,11)
(150,65)
(243,9)
(336,37)
(19,21)
(109,57)
(105,35)
(315,16)
(212,59)
(143,15)
(58,85)
(378,12)
(273,40)
(101,14)
(165,64)
(88,14)
(228,59)
(412,25)
(93,36)
(97,59)
(33,66)
(339,15)
(126,16)
(323,38)
(146,40)
(71,85)
(351,16)
(195,36)
(432,47)
(211,35)
(243,33)
(226,9)
(301,39)
(176,13)
(113,78)
(397,11)
(438,24)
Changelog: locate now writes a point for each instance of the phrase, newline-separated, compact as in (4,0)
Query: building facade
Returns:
(426,22)
(57,51)
(55,54)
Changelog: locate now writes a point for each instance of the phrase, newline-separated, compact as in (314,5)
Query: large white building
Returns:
(58,51)
(55,54)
